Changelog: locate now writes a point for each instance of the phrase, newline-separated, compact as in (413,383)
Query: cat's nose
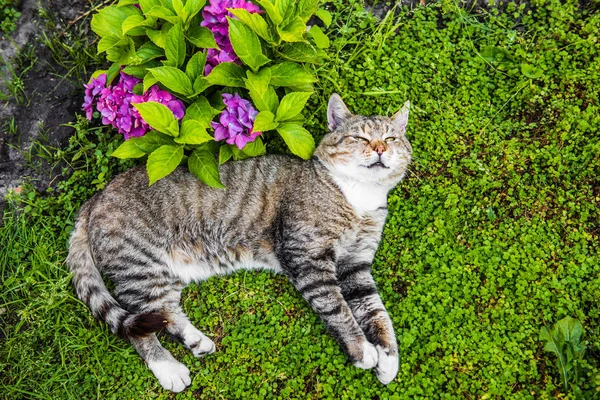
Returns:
(380,149)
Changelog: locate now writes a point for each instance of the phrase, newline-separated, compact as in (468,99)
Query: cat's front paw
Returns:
(198,342)
(369,356)
(171,374)
(387,366)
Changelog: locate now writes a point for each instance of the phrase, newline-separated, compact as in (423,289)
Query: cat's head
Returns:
(366,149)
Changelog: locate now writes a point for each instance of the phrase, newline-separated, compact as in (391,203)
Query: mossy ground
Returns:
(494,234)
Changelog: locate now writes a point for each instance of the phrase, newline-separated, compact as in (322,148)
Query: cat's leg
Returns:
(313,275)
(182,329)
(155,294)
(359,290)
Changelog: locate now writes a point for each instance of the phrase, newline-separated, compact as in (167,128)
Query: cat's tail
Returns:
(90,287)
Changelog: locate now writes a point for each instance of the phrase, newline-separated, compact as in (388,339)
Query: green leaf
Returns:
(175,48)
(149,80)
(202,164)
(529,71)
(122,3)
(298,139)
(306,8)
(159,38)
(163,161)
(255,148)
(300,52)
(108,42)
(496,54)
(321,40)
(147,5)
(158,116)
(271,10)
(570,329)
(193,7)
(262,94)
(174,79)
(290,74)
(287,9)
(152,141)
(195,65)
(227,74)
(179,10)
(112,73)
(291,105)
(246,44)
(202,37)
(225,154)
(200,84)
(137,21)
(163,13)
(193,132)
(128,149)
(148,51)
(265,121)
(294,31)
(200,111)
(122,55)
(109,20)
(255,22)
(324,16)
(140,71)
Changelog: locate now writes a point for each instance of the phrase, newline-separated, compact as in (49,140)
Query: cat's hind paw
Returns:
(198,342)
(369,357)
(171,374)
(387,366)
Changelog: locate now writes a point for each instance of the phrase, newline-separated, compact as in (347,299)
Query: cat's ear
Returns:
(400,119)
(337,112)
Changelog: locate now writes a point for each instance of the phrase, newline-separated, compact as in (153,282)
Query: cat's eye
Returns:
(390,139)
(361,139)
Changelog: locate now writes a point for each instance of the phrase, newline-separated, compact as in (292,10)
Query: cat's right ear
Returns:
(337,112)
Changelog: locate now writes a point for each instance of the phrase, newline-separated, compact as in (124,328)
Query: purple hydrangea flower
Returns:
(214,18)
(236,122)
(92,90)
(115,104)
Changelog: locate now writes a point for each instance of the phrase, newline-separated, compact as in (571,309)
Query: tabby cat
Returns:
(318,222)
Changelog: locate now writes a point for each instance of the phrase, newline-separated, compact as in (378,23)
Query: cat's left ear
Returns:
(400,119)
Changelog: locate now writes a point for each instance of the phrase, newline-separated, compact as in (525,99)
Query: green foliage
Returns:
(494,232)
(8,17)
(163,43)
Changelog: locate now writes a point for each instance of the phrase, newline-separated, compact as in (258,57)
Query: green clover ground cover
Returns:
(493,236)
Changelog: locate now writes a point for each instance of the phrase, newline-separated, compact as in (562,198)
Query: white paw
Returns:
(198,342)
(171,374)
(369,358)
(387,367)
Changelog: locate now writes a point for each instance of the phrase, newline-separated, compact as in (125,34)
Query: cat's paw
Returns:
(387,366)
(369,356)
(198,342)
(171,374)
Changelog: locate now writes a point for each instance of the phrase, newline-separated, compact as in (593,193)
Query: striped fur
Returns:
(319,222)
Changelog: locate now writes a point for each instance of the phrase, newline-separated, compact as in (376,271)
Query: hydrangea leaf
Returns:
(163,13)
(255,22)
(195,65)
(140,71)
(227,74)
(200,85)
(193,132)
(109,21)
(174,79)
(200,111)
(225,154)
(246,44)
(294,31)
(298,139)
(175,48)
(306,8)
(262,94)
(193,7)
(159,38)
(158,116)
(148,51)
(108,42)
(179,9)
(324,16)
(271,10)
(300,52)
(163,161)
(321,40)
(287,10)
(290,74)
(255,148)
(291,105)
(152,141)
(265,121)
(134,25)
(128,149)
(149,80)
(147,5)
(203,164)
(201,37)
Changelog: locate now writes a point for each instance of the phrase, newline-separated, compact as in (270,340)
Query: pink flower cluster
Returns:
(214,18)
(114,103)
(236,122)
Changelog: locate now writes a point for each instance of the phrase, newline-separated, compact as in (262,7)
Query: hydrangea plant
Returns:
(202,84)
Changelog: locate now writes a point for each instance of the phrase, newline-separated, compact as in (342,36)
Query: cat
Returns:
(318,222)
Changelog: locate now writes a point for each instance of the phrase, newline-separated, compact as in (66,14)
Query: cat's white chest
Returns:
(364,198)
